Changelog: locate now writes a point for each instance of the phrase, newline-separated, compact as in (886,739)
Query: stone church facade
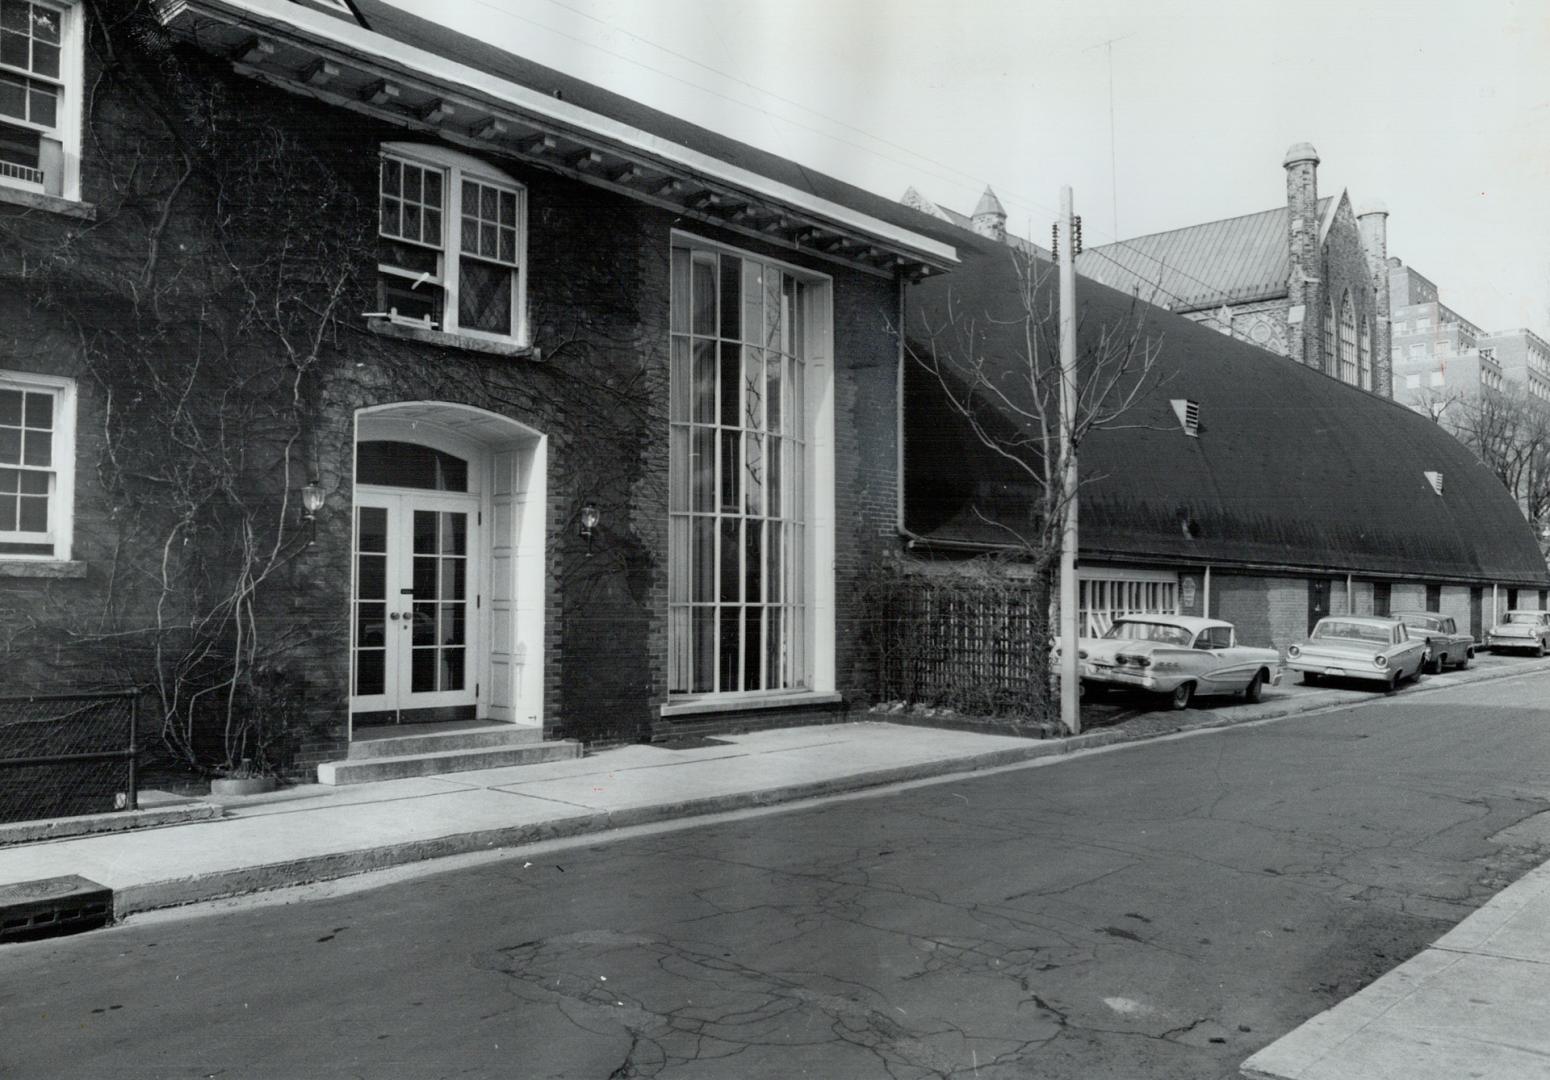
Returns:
(1307,280)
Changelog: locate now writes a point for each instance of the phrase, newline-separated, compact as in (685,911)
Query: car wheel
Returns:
(1180,698)
(1394,680)
(1253,691)
(1465,659)
(1439,662)
(1310,679)
(1539,647)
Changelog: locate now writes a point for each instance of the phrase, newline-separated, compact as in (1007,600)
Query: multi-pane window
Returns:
(1329,336)
(467,279)
(36,430)
(1347,341)
(1364,358)
(37,45)
(738,488)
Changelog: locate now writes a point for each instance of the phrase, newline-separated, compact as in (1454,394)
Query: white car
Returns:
(1177,655)
(1521,628)
(1368,647)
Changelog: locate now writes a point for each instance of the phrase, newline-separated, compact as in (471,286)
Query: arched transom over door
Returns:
(447,615)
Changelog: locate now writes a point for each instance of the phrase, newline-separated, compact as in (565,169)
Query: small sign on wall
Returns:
(1188,589)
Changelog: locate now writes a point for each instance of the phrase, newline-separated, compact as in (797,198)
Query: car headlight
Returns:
(1293,651)
(1081,654)
(1381,661)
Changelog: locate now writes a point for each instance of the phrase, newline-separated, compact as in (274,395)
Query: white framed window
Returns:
(1412,382)
(750,491)
(1436,378)
(454,244)
(37,466)
(40,96)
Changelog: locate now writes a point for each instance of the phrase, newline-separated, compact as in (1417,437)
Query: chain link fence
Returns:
(67,754)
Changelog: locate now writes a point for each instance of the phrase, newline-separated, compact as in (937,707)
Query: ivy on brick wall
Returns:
(198,305)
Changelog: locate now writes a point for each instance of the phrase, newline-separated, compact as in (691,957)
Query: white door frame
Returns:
(507,485)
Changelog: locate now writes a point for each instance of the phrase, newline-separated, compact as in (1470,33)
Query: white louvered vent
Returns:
(1435,479)
(1188,413)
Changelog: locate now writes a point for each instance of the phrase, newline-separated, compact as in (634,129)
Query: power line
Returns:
(1014,194)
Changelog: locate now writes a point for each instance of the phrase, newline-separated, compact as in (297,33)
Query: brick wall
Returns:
(598,303)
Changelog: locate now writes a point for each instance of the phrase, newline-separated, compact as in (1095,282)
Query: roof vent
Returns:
(1435,479)
(1188,413)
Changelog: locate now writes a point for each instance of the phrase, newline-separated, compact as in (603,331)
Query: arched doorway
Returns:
(447,561)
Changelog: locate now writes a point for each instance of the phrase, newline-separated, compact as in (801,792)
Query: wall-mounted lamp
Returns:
(589,519)
(311,503)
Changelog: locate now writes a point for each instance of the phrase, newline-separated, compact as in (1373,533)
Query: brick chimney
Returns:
(989,219)
(1374,221)
(1304,281)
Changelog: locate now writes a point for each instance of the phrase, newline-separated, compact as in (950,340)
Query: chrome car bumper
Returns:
(1130,677)
(1336,671)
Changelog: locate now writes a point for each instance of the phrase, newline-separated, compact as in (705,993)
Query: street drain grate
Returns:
(690,742)
(53,907)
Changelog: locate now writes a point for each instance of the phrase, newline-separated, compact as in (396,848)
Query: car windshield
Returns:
(1150,631)
(1381,635)
(1421,622)
(1523,618)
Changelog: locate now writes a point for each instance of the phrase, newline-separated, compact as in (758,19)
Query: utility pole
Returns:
(1070,687)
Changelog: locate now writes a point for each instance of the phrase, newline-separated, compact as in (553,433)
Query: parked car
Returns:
(1521,628)
(1444,644)
(1177,655)
(1358,647)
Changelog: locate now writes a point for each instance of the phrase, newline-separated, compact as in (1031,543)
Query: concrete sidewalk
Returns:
(1472,1005)
(208,848)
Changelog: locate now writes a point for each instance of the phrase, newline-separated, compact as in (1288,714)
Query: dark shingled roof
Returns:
(401,26)
(1292,469)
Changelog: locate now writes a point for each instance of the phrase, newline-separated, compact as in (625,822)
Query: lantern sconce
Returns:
(589,519)
(311,503)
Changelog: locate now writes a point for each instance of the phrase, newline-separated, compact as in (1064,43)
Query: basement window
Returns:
(1188,413)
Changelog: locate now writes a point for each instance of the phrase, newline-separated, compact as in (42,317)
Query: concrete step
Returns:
(432,742)
(397,767)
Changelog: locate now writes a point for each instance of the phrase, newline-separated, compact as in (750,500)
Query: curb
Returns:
(67,828)
(229,883)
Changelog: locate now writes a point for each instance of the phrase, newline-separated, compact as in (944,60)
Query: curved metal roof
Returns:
(1291,468)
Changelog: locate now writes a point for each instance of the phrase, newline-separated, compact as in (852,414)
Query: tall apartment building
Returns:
(1438,354)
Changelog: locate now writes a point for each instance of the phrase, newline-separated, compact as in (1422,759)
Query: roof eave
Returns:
(311,53)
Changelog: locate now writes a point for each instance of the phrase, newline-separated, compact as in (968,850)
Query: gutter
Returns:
(364,49)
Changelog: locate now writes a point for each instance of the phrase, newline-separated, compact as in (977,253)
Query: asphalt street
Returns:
(1158,911)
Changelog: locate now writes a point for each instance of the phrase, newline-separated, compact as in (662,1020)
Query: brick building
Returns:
(1439,355)
(558,413)
(1241,484)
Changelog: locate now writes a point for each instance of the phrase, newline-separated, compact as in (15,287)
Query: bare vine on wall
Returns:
(216,276)
(214,308)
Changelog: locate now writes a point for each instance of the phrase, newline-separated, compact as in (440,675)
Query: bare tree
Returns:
(1511,434)
(1000,372)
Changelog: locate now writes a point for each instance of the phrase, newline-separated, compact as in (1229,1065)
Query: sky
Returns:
(1158,113)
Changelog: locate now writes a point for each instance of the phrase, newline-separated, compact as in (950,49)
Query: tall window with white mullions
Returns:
(740,493)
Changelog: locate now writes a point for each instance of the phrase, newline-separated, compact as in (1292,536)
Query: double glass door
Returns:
(415,623)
